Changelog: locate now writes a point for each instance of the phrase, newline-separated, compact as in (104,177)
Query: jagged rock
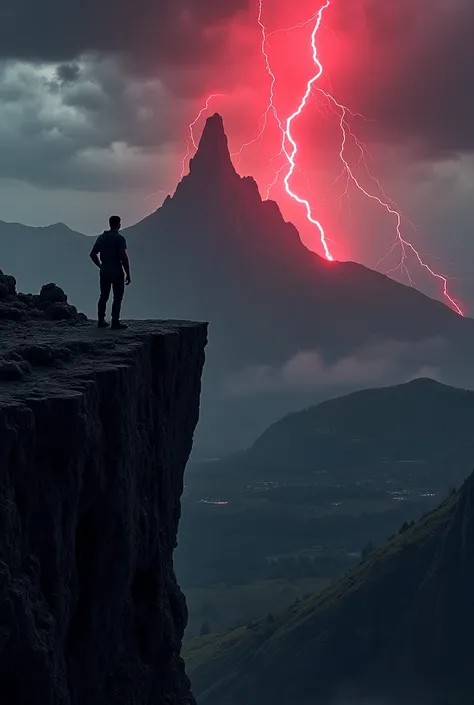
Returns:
(37,354)
(29,300)
(13,370)
(10,312)
(52,294)
(51,303)
(7,285)
(92,453)
(61,312)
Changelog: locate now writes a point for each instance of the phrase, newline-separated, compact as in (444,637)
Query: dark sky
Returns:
(95,99)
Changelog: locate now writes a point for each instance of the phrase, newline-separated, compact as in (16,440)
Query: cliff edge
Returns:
(95,431)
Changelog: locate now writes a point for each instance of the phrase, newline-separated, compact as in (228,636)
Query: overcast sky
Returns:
(95,99)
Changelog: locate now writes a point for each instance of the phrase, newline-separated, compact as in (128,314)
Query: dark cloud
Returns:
(129,76)
(90,128)
(142,30)
(68,73)
(410,67)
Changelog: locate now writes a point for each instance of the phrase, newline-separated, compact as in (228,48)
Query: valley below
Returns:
(259,533)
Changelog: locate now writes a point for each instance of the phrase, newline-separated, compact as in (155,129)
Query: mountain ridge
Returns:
(420,421)
(374,410)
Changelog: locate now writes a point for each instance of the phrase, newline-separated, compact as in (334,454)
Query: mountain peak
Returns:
(214,124)
(213,155)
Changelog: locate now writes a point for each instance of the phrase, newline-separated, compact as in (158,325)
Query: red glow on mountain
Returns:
(299,90)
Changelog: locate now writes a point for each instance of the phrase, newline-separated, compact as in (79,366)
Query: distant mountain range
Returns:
(397,629)
(420,421)
(344,473)
(216,251)
(423,425)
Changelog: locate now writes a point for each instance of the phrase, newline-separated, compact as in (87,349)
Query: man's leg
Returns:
(119,289)
(105,285)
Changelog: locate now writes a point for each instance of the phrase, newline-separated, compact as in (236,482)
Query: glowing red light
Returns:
(291,156)
(270,107)
(290,149)
(400,240)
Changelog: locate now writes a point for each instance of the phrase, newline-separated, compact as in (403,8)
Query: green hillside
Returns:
(400,624)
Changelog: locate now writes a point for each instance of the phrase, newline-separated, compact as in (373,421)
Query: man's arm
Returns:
(125,261)
(94,253)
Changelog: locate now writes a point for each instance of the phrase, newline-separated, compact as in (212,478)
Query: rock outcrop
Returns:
(51,303)
(95,430)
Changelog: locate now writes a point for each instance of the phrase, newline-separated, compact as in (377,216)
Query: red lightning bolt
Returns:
(292,151)
(270,107)
(302,25)
(405,245)
(389,206)
(289,149)
(288,137)
(271,104)
(155,193)
(286,131)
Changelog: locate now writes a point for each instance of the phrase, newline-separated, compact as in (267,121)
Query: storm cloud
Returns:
(87,125)
(145,31)
(390,362)
(97,96)
(406,65)
(409,66)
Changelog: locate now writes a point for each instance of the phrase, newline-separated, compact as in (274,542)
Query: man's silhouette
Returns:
(113,262)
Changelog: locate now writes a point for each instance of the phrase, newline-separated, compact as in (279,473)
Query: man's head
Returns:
(115,222)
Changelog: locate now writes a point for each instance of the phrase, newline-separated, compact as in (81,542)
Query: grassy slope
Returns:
(327,639)
(225,606)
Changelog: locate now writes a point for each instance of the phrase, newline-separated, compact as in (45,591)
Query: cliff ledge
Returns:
(95,430)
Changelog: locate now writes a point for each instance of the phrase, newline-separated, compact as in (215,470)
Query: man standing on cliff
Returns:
(113,263)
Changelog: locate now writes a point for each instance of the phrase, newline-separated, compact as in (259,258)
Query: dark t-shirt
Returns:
(109,246)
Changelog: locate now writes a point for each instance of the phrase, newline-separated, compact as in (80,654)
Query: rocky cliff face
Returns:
(95,432)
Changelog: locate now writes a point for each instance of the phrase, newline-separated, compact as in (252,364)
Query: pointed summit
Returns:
(212,158)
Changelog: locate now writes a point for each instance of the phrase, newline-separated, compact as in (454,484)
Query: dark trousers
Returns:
(117,284)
